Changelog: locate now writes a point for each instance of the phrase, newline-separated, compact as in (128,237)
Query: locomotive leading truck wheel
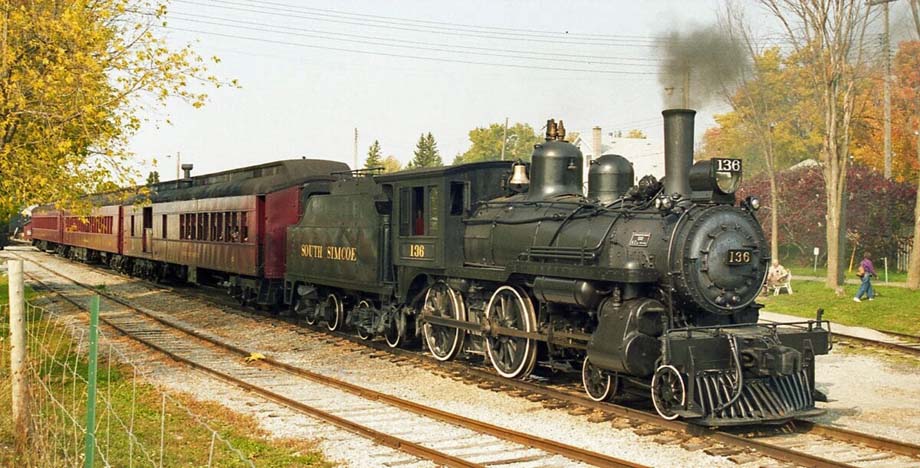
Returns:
(512,357)
(441,300)
(598,383)
(669,393)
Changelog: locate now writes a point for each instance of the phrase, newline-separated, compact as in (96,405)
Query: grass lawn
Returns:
(893,276)
(187,441)
(894,309)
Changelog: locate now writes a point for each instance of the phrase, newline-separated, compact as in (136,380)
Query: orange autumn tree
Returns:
(868,142)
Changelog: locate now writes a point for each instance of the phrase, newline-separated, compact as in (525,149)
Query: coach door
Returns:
(148,229)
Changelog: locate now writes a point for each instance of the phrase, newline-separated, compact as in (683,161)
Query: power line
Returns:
(427,43)
(397,20)
(288,13)
(414,57)
(281,30)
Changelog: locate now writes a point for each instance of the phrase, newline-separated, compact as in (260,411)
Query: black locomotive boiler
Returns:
(648,286)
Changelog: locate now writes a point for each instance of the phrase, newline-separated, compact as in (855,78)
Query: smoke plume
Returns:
(698,65)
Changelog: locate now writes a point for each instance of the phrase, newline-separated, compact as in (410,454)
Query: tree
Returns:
(391,164)
(770,124)
(374,159)
(73,78)
(875,217)
(426,153)
(486,143)
(828,37)
(913,273)
(636,133)
(153,178)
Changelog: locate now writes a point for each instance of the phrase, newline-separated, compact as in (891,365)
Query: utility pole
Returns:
(356,148)
(504,138)
(178,161)
(886,48)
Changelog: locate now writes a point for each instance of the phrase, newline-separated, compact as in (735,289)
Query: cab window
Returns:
(418,211)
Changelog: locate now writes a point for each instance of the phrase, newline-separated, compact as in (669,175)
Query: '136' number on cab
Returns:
(416,251)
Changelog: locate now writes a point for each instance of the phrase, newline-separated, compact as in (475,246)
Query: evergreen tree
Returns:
(426,153)
(374,159)
(153,178)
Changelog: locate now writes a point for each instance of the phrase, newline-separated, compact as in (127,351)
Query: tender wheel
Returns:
(362,333)
(307,308)
(443,341)
(512,357)
(669,393)
(333,313)
(399,329)
(598,383)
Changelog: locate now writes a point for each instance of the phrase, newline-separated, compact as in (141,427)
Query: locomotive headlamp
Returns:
(716,179)
(753,202)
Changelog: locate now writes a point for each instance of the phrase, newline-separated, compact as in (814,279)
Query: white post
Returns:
(886,269)
(18,356)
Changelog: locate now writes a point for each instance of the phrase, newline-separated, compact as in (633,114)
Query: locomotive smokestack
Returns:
(678,150)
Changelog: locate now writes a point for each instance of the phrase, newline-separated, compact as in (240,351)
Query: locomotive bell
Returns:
(519,175)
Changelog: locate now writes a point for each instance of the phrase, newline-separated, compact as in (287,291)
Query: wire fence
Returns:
(135,423)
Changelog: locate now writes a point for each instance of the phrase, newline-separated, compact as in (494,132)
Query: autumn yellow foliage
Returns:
(75,75)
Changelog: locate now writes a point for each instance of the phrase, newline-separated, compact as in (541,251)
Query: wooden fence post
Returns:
(19,373)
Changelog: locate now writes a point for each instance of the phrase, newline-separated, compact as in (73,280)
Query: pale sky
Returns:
(586,62)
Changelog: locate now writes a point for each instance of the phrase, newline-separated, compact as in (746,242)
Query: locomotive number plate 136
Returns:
(739,257)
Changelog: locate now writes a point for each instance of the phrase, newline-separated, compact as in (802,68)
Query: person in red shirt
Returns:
(868,271)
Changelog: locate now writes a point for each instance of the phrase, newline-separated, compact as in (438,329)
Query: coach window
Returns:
(192,219)
(163,219)
(233,227)
(132,225)
(202,226)
(244,227)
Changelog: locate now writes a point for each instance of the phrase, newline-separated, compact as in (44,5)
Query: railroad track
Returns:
(822,445)
(439,436)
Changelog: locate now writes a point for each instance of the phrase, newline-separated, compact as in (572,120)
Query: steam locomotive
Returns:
(650,285)
(646,286)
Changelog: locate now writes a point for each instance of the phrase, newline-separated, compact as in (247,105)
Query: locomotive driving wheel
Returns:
(599,384)
(669,393)
(333,312)
(511,356)
(443,341)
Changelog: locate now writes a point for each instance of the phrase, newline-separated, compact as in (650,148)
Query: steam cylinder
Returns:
(609,177)
(555,169)
(678,150)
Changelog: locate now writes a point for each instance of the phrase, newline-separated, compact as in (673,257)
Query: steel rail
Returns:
(914,350)
(559,448)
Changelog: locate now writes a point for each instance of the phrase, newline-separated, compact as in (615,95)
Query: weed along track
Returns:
(800,442)
(436,435)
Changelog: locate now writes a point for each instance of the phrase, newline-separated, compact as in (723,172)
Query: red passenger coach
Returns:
(94,237)
(47,228)
(226,228)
